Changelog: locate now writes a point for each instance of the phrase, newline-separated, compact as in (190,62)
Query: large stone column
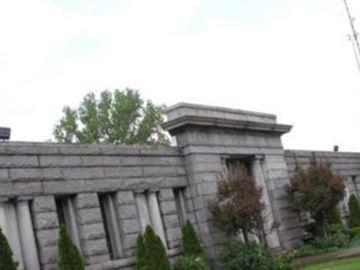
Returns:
(155,215)
(31,259)
(272,237)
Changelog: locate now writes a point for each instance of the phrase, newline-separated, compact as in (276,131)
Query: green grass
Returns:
(346,264)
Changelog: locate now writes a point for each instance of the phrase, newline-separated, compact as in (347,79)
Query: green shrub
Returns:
(190,244)
(69,255)
(150,252)
(335,240)
(140,261)
(334,216)
(354,232)
(6,255)
(252,256)
(354,212)
(191,263)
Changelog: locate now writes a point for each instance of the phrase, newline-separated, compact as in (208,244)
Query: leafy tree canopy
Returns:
(238,205)
(317,190)
(119,117)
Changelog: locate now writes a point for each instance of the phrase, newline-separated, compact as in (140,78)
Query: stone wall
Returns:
(106,194)
(43,172)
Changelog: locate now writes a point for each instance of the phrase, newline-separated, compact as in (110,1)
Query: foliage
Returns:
(191,263)
(121,117)
(334,217)
(193,256)
(140,261)
(322,244)
(316,190)
(354,212)
(6,255)
(150,252)
(354,232)
(69,255)
(249,256)
(190,243)
(238,205)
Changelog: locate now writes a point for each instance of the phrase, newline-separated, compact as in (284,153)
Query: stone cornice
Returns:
(190,120)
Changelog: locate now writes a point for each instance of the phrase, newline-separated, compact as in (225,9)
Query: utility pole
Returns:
(354,37)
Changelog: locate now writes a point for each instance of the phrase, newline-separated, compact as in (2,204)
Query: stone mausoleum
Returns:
(106,194)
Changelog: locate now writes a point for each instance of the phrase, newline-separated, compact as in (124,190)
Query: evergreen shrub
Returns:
(6,255)
(354,212)
(69,254)
(150,252)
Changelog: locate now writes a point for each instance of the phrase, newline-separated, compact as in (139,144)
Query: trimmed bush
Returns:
(150,252)
(251,256)
(6,255)
(191,263)
(69,255)
(354,212)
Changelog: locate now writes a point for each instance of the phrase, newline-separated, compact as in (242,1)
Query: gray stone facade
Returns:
(106,194)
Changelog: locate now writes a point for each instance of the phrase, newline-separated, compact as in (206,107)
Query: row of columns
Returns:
(149,212)
(15,221)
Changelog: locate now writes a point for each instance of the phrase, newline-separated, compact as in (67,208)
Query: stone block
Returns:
(25,174)
(171,221)
(166,194)
(18,161)
(129,241)
(60,161)
(95,247)
(82,173)
(4,176)
(92,231)
(100,160)
(89,216)
(122,172)
(52,174)
(48,255)
(47,237)
(86,200)
(130,226)
(46,220)
(168,207)
(124,197)
(44,204)
(127,212)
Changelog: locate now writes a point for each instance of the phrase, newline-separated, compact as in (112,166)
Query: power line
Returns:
(354,37)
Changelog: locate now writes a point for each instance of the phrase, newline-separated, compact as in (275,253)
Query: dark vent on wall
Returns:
(4,133)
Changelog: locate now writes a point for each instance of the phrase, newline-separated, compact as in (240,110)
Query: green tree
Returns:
(354,212)
(151,253)
(6,256)
(238,206)
(140,260)
(317,190)
(119,117)
(69,255)
(190,243)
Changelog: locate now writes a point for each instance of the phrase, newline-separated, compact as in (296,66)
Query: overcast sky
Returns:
(287,57)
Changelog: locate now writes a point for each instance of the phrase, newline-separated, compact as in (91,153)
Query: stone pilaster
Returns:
(91,228)
(46,230)
(128,220)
